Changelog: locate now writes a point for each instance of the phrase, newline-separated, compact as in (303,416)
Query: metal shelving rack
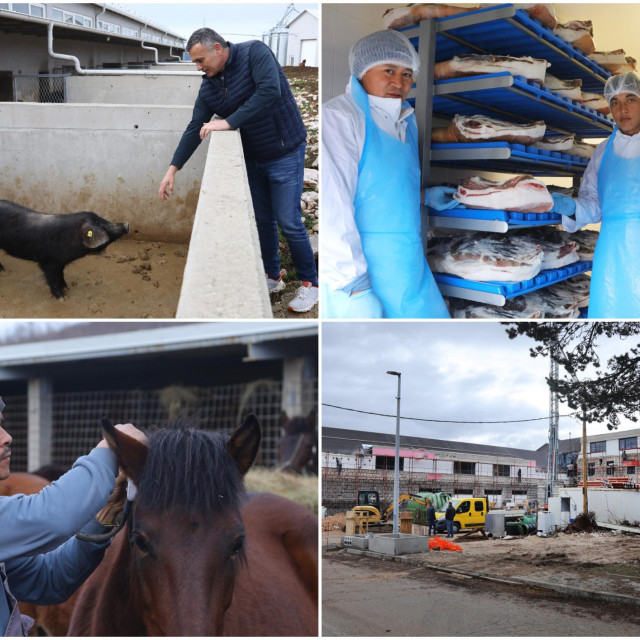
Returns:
(501,30)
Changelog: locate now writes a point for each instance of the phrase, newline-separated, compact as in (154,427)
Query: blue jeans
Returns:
(449,527)
(276,187)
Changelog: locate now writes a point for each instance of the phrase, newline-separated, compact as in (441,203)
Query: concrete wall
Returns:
(137,89)
(224,276)
(60,158)
(611,506)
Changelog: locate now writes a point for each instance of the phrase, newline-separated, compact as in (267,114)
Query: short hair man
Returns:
(246,87)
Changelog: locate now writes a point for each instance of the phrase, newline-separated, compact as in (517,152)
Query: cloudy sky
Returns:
(235,21)
(450,371)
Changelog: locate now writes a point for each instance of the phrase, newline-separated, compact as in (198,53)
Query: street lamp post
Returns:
(396,466)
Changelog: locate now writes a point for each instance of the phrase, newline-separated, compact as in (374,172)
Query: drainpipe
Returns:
(109,72)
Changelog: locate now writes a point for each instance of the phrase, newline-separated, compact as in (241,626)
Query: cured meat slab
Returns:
(556,143)
(483,129)
(582,150)
(579,33)
(558,249)
(571,89)
(595,101)
(414,13)
(485,257)
(521,193)
(616,62)
(586,240)
(484,311)
(474,64)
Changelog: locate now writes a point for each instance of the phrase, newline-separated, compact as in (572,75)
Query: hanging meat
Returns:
(485,257)
(561,143)
(566,88)
(414,13)
(616,62)
(521,193)
(579,33)
(474,64)
(483,129)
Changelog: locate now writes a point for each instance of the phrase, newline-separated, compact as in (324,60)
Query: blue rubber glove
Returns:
(563,205)
(441,198)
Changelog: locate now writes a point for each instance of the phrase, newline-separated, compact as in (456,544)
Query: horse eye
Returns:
(237,546)
(141,542)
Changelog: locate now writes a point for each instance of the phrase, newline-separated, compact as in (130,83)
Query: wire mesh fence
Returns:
(77,415)
(45,87)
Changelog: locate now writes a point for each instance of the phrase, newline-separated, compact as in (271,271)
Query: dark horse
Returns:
(199,557)
(298,449)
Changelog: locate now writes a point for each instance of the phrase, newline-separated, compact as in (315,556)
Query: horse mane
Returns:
(190,468)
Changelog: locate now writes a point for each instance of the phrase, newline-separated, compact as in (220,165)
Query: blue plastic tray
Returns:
(513,289)
(520,36)
(525,101)
(510,217)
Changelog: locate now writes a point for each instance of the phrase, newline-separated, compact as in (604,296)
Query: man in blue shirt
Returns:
(247,89)
(41,561)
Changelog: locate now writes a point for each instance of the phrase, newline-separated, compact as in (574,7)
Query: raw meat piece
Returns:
(582,150)
(567,88)
(475,64)
(586,239)
(558,250)
(414,13)
(481,128)
(579,33)
(576,288)
(485,257)
(595,101)
(482,311)
(551,304)
(521,193)
(545,13)
(614,61)
(556,143)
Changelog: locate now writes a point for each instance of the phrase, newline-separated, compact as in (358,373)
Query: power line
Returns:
(388,415)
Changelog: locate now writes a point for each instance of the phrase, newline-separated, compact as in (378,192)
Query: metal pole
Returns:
(585,499)
(396,466)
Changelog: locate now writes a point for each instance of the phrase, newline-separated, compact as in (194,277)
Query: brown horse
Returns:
(298,449)
(198,557)
(52,620)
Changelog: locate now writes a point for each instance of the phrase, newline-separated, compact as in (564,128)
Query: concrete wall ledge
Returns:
(224,276)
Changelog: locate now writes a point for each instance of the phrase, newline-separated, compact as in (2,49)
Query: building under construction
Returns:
(355,460)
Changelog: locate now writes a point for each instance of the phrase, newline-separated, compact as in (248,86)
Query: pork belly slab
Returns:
(521,193)
(474,64)
(579,33)
(480,128)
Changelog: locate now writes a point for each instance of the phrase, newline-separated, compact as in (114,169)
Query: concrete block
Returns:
(356,541)
(224,276)
(397,544)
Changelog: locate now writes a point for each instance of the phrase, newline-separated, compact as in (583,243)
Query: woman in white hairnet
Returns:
(373,263)
(610,193)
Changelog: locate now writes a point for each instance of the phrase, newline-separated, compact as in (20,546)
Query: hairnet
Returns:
(382,47)
(623,83)
(1,405)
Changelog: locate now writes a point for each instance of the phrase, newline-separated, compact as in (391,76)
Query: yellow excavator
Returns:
(368,511)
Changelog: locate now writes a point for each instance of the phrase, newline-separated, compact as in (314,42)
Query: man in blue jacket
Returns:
(247,89)
(41,561)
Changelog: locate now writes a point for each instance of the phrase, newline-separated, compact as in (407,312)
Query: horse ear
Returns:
(244,443)
(132,454)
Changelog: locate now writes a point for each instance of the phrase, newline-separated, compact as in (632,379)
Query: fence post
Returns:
(40,422)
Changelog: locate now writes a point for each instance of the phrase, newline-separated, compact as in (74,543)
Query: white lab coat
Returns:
(587,203)
(343,265)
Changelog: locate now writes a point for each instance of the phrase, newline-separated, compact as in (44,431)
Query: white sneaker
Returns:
(306,298)
(275,285)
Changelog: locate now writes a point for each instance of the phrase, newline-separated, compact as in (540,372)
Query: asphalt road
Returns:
(370,597)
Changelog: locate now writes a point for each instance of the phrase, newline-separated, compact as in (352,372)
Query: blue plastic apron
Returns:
(387,214)
(615,279)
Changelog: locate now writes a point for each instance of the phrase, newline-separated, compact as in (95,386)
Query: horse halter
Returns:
(124,516)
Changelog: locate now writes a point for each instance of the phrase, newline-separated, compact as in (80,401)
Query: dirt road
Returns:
(369,597)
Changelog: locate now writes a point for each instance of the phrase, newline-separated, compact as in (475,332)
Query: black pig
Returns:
(53,240)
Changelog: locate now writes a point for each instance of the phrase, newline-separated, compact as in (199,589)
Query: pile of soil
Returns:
(334,523)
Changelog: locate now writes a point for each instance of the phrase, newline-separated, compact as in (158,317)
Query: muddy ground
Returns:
(130,279)
(600,561)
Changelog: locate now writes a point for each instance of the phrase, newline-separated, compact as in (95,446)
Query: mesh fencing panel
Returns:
(40,88)
(77,415)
